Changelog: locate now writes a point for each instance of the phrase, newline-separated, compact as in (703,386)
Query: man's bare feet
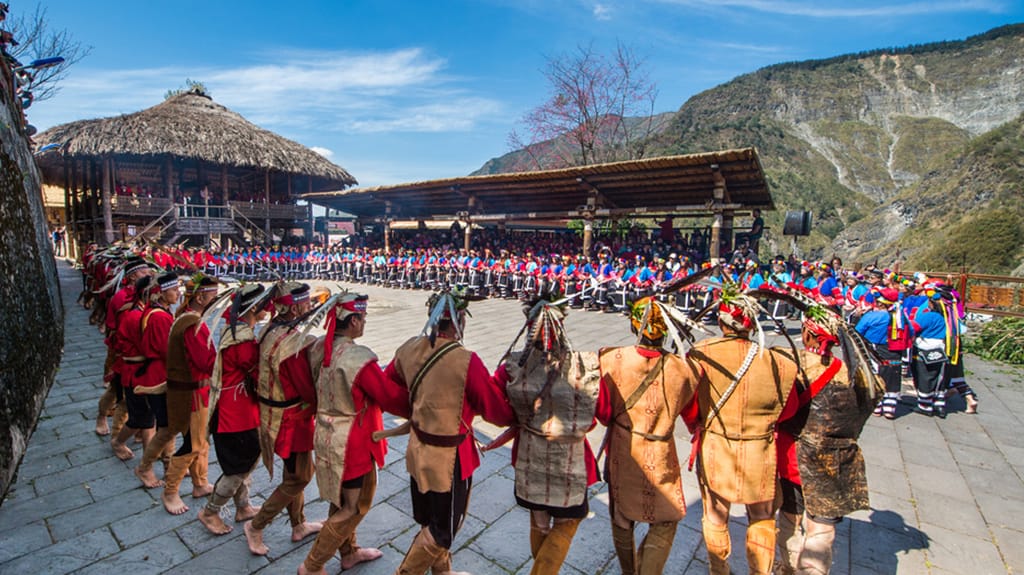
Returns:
(173,503)
(148,478)
(303,530)
(254,537)
(101,426)
(213,522)
(202,490)
(359,556)
(246,513)
(121,450)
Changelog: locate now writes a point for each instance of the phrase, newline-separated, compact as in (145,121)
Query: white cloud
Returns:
(845,9)
(602,12)
(297,91)
(322,151)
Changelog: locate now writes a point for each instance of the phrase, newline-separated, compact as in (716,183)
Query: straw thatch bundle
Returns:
(192,125)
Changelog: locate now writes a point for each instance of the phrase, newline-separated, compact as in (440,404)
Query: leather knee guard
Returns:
(655,548)
(555,547)
(719,546)
(816,557)
(761,546)
(789,541)
(625,548)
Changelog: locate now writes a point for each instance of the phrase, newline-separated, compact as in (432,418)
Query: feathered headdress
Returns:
(653,320)
(448,304)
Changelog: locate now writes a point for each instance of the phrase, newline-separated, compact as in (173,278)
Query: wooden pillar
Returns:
(224,185)
(727,226)
(716,236)
(168,180)
(70,239)
(387,227)
(266,209)
(108,212)
(588,233)
(468,233)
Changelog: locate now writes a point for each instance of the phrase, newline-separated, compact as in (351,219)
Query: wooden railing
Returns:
(255,211)
(132,206)
(986,293)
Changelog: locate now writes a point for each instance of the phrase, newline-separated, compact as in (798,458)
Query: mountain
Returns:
(907,152)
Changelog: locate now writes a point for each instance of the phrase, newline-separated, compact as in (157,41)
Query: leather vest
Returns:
(179,376)
(336,411)
(738,458)
(436,410)
(554,419)
(642,463)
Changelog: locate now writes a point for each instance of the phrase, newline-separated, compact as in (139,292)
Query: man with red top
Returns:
(446,386)
(235,418)
(553,391)
(287,400)
(350,390)
(643,390)
(147,394)
(113,398)
(740,395)
(128,342)
(190,359)
(821,468)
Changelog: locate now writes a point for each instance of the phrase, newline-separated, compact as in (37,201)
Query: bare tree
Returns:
(601,109)
(36,40)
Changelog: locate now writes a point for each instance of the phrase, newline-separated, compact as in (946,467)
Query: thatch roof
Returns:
(662,185)
(191,125)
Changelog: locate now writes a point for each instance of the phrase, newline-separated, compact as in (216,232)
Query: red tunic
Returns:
(201,355)
(157,328)
(482,398)
(128,343)
(119,300)
(296,433)
(237,410)
(368,394)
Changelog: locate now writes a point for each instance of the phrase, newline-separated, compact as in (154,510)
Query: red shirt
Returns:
(201,355)
(157,328)
(482,398)
(296,432)
(361,451)
(237,410)
(128,343)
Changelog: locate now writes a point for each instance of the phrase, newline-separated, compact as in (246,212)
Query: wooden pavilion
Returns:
(187,167)
(716,184)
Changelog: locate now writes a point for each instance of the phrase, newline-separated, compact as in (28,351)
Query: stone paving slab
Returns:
(947,495)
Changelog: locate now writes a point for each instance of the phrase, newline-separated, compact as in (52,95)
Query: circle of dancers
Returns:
(774,428)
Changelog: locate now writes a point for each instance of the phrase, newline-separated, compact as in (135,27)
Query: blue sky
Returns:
(404,91)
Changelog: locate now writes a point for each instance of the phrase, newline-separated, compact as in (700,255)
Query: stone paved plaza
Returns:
(947,495)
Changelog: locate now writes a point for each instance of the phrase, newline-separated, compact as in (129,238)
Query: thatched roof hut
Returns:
(187,149)
(190,126)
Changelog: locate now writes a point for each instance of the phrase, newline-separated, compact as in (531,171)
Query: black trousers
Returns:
(443,512)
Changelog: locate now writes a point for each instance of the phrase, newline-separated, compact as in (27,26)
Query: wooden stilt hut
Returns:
(185,169)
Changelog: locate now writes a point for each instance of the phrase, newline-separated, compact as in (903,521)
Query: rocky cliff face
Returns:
(31,312)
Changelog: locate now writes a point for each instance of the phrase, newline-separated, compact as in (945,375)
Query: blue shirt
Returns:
(931,325)
(874,326)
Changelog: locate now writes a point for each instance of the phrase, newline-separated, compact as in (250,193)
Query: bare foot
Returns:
(101,426)
(148,478)
(213,522)
(202,490)
(246,513)
(173,503)
(121,450)
(303,530)
(254,537)
(138,437)
(360,555)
